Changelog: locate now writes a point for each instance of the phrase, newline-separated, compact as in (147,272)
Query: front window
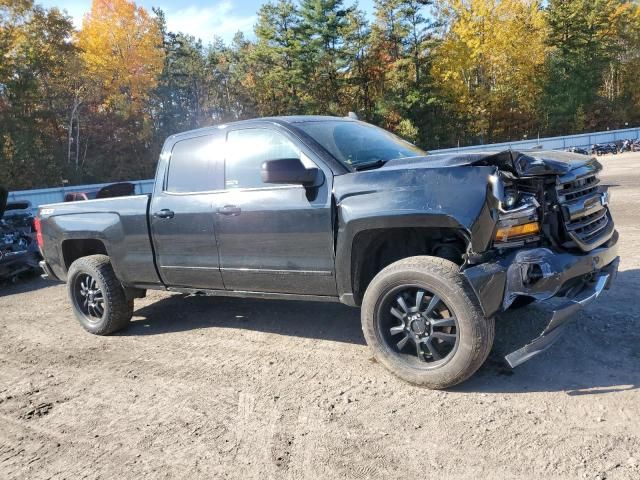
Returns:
(357,144)
(248,149)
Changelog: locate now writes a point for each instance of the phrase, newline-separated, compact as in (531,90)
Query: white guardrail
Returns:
(585,140)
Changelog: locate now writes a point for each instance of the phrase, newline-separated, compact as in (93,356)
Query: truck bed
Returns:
(119,225)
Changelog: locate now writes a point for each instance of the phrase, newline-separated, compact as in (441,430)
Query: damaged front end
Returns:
(540,274)
(554,237)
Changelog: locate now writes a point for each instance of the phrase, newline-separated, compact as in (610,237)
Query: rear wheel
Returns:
(97,296)
(423,322)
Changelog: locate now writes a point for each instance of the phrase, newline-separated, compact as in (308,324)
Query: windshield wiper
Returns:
(369,165)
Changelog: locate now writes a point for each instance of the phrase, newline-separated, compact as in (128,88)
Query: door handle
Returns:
(229,210)
(164,213)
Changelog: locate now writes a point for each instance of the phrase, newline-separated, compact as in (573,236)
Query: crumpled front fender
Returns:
(459,198)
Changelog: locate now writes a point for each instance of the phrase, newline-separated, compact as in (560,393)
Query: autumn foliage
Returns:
(121,48)
(96,103)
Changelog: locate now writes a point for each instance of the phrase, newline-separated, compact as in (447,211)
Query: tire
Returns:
(116,311)
(441,278)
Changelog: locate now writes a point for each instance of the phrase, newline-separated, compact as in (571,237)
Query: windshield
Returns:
(357,144)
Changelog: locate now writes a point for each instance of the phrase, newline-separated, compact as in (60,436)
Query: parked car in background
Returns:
(605,149)
(19,216)
(431,247)
(581,151)
(18,247)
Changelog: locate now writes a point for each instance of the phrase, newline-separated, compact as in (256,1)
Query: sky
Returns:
(201,18)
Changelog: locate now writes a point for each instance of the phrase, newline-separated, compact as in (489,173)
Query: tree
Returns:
(277,70)
(488,65)
(402,42)
(323,22)
(35,93)
(122,50)
(358,92)
(96,105)
(181,99)
(620,85)
(580,50)
(123,56)
(233,77)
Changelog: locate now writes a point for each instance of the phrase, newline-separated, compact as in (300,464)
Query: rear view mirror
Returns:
(289,170)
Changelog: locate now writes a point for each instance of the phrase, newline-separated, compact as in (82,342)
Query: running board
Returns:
(249,294)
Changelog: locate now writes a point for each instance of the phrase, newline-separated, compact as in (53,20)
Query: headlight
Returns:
(510,198)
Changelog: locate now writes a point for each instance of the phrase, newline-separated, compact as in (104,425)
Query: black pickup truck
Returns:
(431,247)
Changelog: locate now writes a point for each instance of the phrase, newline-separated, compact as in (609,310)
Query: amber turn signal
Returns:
(505,234)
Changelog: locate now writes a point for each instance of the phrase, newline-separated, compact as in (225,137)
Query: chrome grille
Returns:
(580,187)
(586,216)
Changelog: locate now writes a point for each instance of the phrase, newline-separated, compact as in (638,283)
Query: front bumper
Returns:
(541,273)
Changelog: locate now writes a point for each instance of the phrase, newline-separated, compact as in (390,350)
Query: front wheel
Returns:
(97,297)
(423,322)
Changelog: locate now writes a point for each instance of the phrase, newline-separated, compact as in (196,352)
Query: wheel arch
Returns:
(75,248)
(365,246)
(81,235)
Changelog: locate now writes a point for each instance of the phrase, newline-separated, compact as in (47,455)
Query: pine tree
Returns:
(402,41)
(276,60)
(323,55)
(582,48)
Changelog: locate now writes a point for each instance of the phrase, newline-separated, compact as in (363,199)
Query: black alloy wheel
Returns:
(88,297)
(417,326)
(422,321)
(98,298)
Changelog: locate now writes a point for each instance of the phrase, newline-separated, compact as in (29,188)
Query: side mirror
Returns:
(289,170)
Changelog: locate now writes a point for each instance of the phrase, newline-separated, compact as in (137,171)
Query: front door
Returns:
(182,217)
(273,238)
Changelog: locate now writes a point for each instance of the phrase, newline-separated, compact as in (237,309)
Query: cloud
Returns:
(200,21)
(207,22)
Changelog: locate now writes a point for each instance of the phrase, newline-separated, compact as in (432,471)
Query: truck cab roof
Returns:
(284,119)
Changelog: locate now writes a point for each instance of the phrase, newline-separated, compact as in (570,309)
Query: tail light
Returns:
(37,226)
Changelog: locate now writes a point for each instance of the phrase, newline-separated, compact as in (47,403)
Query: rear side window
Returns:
(193,163)
(248,149)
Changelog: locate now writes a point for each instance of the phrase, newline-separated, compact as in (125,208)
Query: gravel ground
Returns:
(229,388)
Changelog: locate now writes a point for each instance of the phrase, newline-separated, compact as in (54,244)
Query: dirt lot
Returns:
(224,388)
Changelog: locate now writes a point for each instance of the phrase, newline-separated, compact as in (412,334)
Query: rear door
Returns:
(182,217)
(273,238)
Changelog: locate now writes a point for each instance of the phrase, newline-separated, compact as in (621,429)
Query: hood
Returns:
(4,194)
(522,164)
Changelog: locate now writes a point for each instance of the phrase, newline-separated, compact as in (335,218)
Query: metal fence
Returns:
(583,140)
(44,196)
(54,195)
